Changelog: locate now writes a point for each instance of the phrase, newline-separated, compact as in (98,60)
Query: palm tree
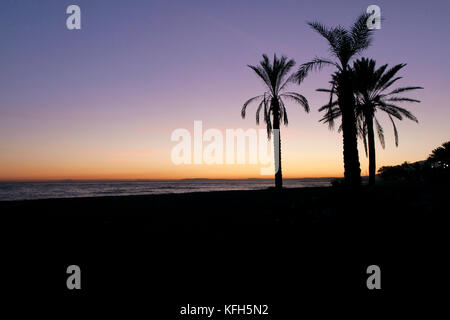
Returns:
(344,45)
(276,79)
(440,157)
(371,88)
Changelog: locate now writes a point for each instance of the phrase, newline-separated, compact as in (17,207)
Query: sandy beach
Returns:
(313,240)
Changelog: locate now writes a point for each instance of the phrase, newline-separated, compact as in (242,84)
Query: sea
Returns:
(71,189)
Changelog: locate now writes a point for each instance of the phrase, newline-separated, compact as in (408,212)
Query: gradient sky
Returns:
(102,102)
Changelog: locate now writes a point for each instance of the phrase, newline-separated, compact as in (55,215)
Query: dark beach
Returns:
(258,246)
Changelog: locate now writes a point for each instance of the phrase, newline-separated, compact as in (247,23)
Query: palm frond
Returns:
(283,113)
(395,131)
(402,99)
(297,97)
(314,64)
(287,81)
(328,33)
(361,35)
(380,133)
(330,105)
(282,71)
(332,113)
(262,74)
(399,90)
(386,79)
(244,107)
(402,111)
(267,120)
(325,90)
(362,130)
(258,111)
(390,109)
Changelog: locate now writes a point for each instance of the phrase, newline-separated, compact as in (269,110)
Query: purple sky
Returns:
(74,102)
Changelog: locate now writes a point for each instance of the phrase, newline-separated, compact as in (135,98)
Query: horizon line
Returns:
(142,180)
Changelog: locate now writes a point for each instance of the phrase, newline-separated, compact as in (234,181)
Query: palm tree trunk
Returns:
(277,145)
(371,143)
(352,170)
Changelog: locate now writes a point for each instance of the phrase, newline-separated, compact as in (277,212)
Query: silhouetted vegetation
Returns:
(440,157)
(360,90)
(405,171)
(435,169)
(276,79)
(370,93)
(344,44)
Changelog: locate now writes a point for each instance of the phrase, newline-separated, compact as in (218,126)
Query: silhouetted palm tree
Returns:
(276,79)
(440,157)
(344,45)
(370,87)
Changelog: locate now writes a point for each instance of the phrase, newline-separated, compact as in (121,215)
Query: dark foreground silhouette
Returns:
(295,249)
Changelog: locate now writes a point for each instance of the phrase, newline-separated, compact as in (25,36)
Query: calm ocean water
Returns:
(71,189)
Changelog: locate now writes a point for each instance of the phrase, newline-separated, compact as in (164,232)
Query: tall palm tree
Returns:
(276,79)
(371,93)
(344,44)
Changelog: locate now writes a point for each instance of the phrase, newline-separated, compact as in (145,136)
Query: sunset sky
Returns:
(102,102)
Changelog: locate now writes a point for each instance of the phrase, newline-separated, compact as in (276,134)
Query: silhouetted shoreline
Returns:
(262,239)
(71,189)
